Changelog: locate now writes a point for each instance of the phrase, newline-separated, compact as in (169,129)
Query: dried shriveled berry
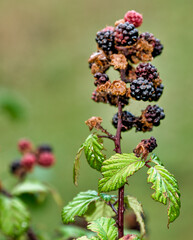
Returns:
(119,61)
(28,161)
(46,159)
(145,147)
(99,97)
(134,17)
(24,145)
(100,78)
(128,120)
(118,88)
(125,34)
(98,62)
(94,122)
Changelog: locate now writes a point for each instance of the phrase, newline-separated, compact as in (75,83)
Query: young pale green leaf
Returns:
(79,205)
(92,150)
(14,217)
(104,227)
(98,210)
(117,169)
(107,198)
(76,167)
(155,159)
(138,210)
(166,188)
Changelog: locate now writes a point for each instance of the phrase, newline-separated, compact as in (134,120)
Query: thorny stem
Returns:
(30,233)
(121,190)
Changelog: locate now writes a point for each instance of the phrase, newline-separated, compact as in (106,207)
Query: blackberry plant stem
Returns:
(121,190)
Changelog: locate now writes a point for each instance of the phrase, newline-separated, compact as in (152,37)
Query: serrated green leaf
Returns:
(155,159)
(166,190)
(138,210)
(92,150)
(14,217)
(104,227)
(76,168)
(117,169)
(79,205)
(98,210)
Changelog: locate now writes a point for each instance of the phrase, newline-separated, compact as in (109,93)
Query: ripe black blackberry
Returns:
(44,148)
(149,37)
(125,34)
(128,120)
(105,40)
(142,89)
(15,166)
(151,144)
(100,78)
(157,93)
(147,71)
(153,114)
(158,48)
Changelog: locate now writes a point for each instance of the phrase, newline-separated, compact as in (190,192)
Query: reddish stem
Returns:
(121,190)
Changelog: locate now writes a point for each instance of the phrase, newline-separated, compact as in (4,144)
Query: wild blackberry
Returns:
(125,34)
(127,120)
(149,37)
(105,40)
(15,166)
(157,93)
(142,89)
(24,145)
(153,114)
(100,78)
(157,48)
(147,71)
(44,148)
(46,159)
(134,17)
(28,161)
(145,147)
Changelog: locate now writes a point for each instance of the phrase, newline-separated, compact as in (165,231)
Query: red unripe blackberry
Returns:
(158,48)
(28,161)
(105,40)
(128,120)
(153,114)
(100,78)
(44,148)
(24,145)
(46,159)
(147,71)
(125,34)
(142,89)
(134,18)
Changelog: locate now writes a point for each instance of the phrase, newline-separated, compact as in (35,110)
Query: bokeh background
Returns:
(44,47)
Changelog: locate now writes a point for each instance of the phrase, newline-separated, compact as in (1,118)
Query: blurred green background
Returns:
(44,47)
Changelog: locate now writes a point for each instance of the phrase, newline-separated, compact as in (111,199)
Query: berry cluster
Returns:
(128,120)
(42,156)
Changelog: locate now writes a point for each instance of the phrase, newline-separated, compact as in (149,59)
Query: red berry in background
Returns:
(28,161)
(134,17)
(46,159)
(24,145)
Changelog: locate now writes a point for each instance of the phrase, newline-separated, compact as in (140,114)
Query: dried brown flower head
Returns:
(118,88)
(99,97)
(103,87)
(119,61)
(94,122)
(98,62)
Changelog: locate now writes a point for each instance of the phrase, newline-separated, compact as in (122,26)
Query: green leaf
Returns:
(155,159)
(14,217)
(76,168)
(92,150)
(117,169)
(104,227)
(98,210)
(79,205)
(138,210)
(107,198)
(166,190)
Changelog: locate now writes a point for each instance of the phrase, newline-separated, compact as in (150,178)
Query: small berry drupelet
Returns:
(100,78)
(147,71)
(46,159)
(28,161)
(128,120)
(142,89)
(153,114)
(157,48)
(125,34)
(134,18)
(105,40)
(24,145)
